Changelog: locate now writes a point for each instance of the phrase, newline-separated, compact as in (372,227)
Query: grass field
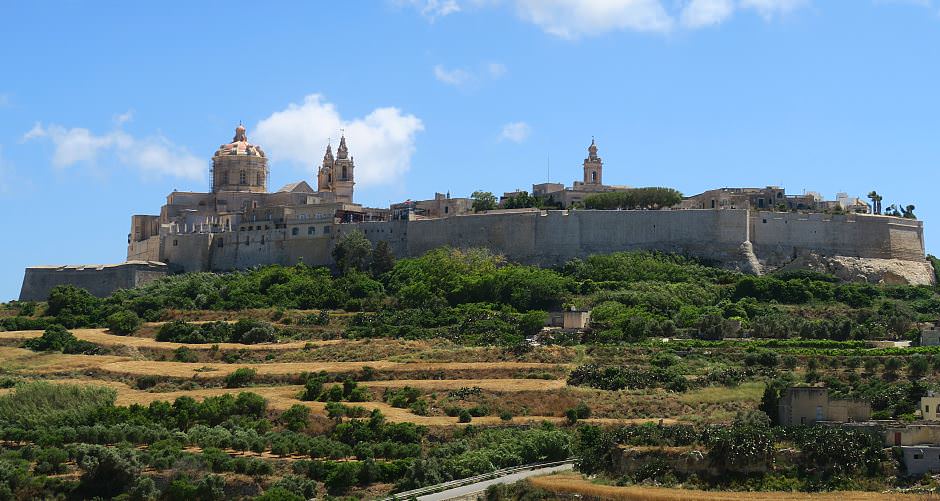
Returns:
(575,484)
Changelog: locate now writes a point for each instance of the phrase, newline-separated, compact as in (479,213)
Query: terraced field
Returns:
(574,485)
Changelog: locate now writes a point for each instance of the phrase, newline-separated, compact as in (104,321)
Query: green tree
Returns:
(241,377)
(295,418)
(124,322)
(353,252)
(483,201)
(383,260)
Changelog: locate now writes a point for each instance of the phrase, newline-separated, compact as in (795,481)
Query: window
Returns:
(258,179)
(593,176)
(311,230)
(221,243)
(819,413)
(175,243)
(760,203)
(262,239)
(225,177)
(918,456)
(446,210)
(713,204)
(326,229)
(242,177)
(294,231)
(926,410)
(345,177)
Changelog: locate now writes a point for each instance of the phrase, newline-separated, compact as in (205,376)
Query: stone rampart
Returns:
(853,246)
(100,280)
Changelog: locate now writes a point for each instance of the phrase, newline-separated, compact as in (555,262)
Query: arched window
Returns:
(258,179)
(345,177)
(242,177)
(594,176)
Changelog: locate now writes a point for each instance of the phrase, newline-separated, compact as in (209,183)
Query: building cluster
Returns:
(239,199)
(918,441)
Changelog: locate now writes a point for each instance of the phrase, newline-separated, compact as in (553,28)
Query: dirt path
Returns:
(573,483)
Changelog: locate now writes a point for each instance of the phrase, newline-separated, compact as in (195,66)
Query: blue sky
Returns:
(105,107)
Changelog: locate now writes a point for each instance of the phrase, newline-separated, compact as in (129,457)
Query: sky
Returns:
(108,106)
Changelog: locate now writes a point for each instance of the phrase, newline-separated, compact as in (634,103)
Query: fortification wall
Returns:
(855,246)
(781,237)
(554,237)
(99,280)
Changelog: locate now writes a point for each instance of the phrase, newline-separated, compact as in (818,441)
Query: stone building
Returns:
(240,224)
(592,182)
(441,206)
(930,334)
(336,174)
(239,166)
(811,404)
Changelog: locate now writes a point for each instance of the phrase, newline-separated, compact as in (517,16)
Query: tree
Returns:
(908,212)
(108,471)
(124,322)
(382,258)
(483,201)
(875,201)
(295,418)
(241,377)
(771,400)
(353,252)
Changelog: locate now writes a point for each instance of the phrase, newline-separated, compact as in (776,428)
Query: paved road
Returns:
(481,486)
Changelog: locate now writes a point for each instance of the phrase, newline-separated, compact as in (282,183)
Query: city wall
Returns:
(852,246)
(99,280)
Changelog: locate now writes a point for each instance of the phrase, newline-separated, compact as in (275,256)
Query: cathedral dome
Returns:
(240,145)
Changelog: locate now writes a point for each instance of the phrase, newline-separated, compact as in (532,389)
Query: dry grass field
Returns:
(575,484)
(103,338)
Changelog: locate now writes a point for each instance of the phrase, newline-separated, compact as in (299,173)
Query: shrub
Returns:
(464,416)
(295,418)
(57,338)
(240,378)
(185,354)
(313,388)
(124,322)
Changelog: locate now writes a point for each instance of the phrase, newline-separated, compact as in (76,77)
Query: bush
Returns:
(185,354)
(124,322)
(464,416)
(57,338)
(240,378)
(295,418)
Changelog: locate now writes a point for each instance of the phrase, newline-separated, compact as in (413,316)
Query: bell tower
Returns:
(593,166)
(343,173)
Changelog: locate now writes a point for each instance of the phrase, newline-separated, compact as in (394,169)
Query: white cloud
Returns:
(433,9)
(464,78)
(701,13)
(152,156)
(770,8)
(382,142)
(516,132)
(456,77)
(572,19)
(123,118)
(575,18)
